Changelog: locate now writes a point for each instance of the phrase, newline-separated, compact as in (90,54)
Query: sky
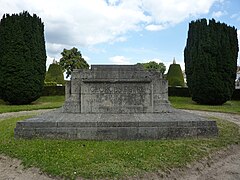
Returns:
(122,31)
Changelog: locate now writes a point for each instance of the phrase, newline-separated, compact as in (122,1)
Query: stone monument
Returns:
(110,102)
(121,89)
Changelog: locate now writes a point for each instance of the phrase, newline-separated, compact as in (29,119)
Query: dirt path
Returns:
(11,169)
(223,165)
(230,117)
(22,113)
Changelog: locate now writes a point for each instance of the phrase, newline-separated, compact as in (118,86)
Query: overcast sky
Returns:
(122,31)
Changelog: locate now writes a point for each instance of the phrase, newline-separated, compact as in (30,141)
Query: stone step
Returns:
(116,126)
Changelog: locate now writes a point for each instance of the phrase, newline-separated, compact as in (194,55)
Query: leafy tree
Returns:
(210,59)
(55,74)
(152,65)
(22,58)
(72,59)
(175,75)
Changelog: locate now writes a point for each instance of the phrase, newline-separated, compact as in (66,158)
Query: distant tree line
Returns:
(152,65)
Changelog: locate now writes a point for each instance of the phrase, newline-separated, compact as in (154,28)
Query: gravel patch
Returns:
(22,113)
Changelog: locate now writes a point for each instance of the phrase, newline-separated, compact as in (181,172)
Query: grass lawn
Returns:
(187,103)
(110,159)
(44,102)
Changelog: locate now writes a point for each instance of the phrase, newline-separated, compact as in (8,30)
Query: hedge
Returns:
(183,92)
(236,94)
(178,91)
(53,91)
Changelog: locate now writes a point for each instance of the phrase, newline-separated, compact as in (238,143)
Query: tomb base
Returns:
(140,126)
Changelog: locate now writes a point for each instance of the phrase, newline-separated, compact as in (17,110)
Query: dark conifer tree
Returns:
(210,59)
(22,58)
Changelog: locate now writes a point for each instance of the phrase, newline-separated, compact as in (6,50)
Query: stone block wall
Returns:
(116,89)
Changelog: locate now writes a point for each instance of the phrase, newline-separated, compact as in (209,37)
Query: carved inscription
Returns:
(117,97)
(113,89)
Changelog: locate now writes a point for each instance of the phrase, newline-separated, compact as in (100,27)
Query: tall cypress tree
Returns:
(210,59)
(22,58)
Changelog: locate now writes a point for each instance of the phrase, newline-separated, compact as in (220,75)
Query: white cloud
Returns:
(55,49)
(121,39)
(120,60)
(86,23)
(217,14)
(153,27)
(235,16)
(80,22)
(113,2)
(49,61)
(157,60)
(175,11)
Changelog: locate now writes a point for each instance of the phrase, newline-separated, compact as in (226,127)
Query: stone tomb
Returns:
(110,102)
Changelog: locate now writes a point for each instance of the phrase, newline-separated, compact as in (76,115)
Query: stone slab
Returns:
(56,124)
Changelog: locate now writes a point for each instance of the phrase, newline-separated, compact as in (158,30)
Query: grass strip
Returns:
(187,103)
(44,102)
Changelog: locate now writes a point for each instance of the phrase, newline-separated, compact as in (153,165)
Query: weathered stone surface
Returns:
(57,124)
(116,89)
(116,102)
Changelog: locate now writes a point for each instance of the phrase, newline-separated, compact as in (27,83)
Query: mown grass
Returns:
(44,102)
(187,103)
(110,159)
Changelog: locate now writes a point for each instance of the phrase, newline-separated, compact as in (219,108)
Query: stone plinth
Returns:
(140,126)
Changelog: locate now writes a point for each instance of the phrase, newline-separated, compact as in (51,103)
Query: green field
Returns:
(187,103)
